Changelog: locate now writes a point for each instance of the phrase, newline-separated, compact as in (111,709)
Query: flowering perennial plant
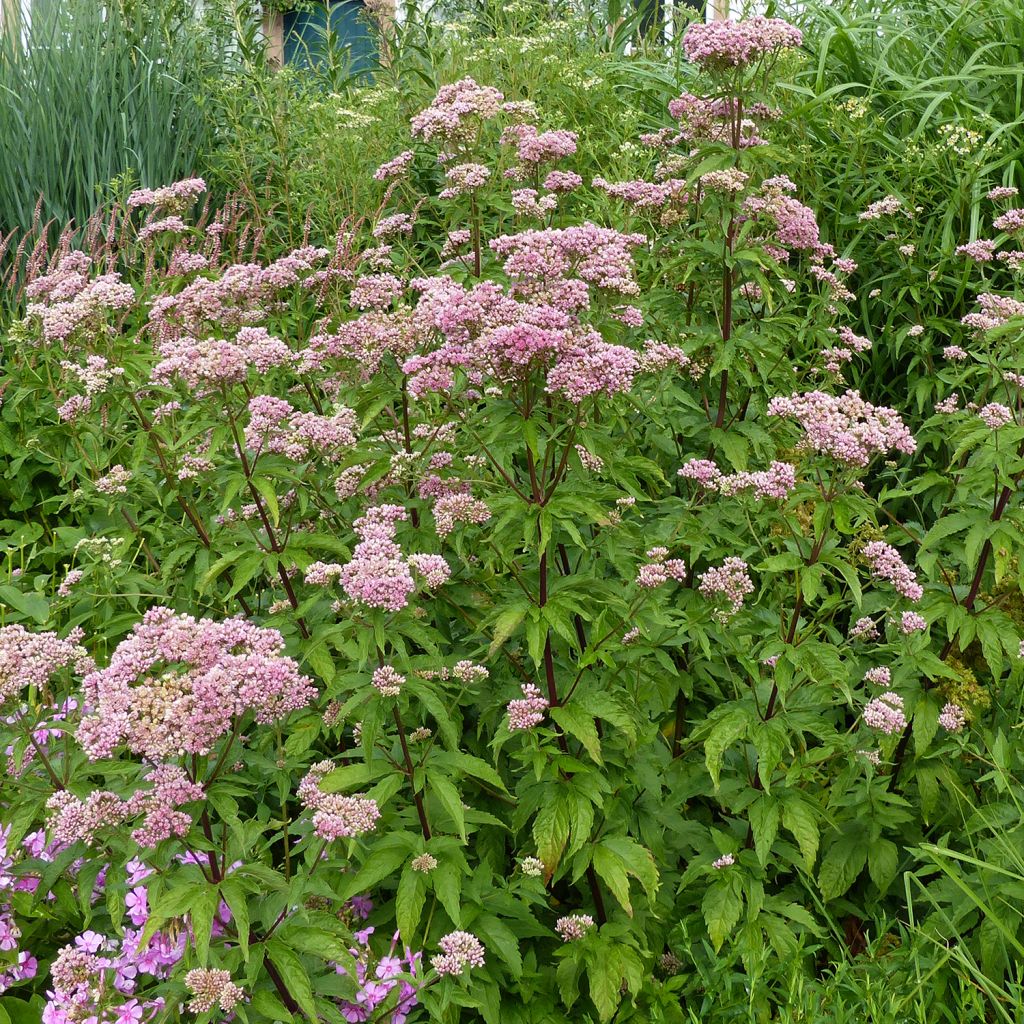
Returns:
(522,576)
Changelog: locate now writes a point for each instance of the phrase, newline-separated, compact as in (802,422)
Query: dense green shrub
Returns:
(587,610)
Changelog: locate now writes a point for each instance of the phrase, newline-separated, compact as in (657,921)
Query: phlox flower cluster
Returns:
(885,713)
(729,581)
(275,426)
(176,684)
(528,712)
(378,980)
(725,45)
(94,980)
(19,964)
(885,563)
(459,950)
(30,659)
(846,428)
(335,816)
(776,482)
(209,988)
(574,927)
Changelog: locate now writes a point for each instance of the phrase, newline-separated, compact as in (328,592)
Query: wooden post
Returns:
(718,10)
(273,33)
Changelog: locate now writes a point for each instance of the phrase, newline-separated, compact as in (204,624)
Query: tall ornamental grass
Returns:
(90,92)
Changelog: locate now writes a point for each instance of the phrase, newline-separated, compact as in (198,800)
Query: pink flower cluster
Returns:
(730,581)
(886,564)
(378,573)
(725,45)
(996,310)
(528,712)
(242,295)
(846,427)
(952,718)
(397,167)
(176,196)
(456,112)
(995,415)
(378,980)
(30,659)
(388,681)
(73,820)
(488,333)
(275,426)
(71,300)
(885,713)
(533,147)
(660,569)
(217,361)
(574,927)
(776,482)
(211,988)
(335,816)
(459,950)
(176,684)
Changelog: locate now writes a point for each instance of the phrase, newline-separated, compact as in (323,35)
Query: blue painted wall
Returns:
(304,34)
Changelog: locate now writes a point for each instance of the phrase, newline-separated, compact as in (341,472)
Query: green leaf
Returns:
(505,625)
(32,605)
(721,907)
(497,935)
(726,731)
(237,900)
(801,820)
(409,900)
(201,914)
(841,865)
(580,725)
(293,974)
(450,799)
(764,823)
(883,862)
(612,872)
(769,739)
(551,831)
